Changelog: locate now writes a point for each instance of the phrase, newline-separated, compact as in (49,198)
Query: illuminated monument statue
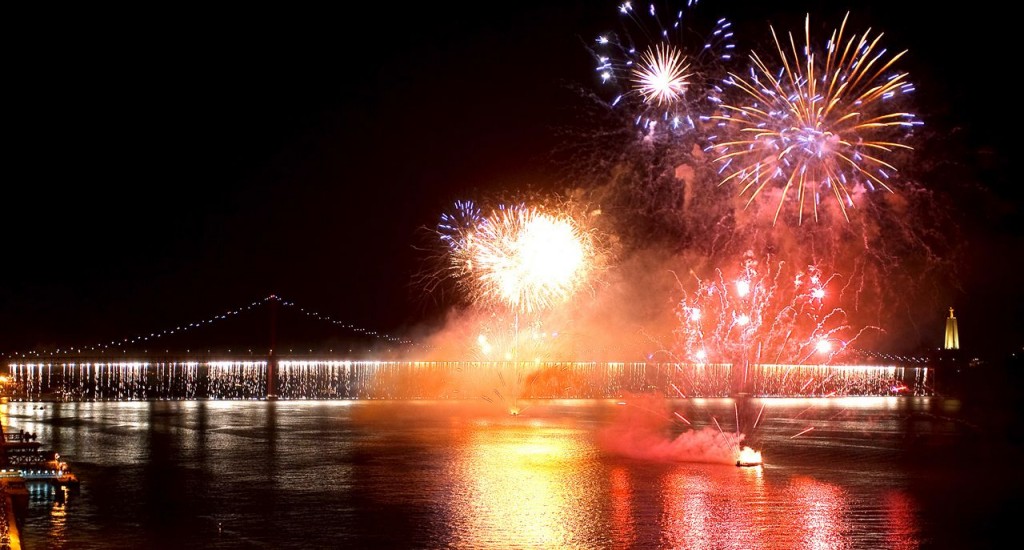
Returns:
(952,337)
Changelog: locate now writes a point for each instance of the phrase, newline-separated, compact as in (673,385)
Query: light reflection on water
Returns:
(872,473)
(510,486)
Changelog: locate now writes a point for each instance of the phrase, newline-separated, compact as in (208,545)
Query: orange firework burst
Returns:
(822,123)
(526,259)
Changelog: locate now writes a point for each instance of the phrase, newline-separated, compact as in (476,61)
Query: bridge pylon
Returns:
(271,357)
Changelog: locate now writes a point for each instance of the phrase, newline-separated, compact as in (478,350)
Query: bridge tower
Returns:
(271,355)
(952,335)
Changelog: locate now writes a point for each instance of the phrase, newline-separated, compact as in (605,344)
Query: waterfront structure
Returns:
(952,335)
(314,378)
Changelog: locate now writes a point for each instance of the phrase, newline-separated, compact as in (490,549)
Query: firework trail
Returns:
(658,80)
(660,69)
(822,122)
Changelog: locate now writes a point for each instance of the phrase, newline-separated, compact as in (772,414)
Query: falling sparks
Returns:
(768,313)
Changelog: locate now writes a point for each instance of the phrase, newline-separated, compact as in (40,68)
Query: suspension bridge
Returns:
(274,349)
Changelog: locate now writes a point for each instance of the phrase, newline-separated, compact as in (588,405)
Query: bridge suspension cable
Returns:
(233,312)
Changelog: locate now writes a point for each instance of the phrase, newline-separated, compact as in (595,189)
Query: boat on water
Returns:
(58,476)
(26,462)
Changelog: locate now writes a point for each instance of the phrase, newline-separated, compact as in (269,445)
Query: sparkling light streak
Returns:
(528,342)
(338,379)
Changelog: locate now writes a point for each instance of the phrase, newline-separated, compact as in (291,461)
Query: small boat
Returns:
(53,477)
(53,472)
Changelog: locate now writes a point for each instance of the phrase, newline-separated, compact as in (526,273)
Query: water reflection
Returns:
(689,519)
(623,533)
(900,527)
(513,489)
(466,475)
(820,514)
(714,507)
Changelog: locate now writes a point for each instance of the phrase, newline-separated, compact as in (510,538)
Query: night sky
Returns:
(166,164)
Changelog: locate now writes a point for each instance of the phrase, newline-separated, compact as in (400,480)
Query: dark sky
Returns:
(169,163)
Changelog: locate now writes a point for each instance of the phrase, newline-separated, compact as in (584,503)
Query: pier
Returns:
(10,539)
(11,491)
(23,461)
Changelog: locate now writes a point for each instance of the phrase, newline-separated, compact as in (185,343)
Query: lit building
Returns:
(952,336)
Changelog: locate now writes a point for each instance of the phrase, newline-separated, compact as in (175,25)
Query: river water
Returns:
(636,472)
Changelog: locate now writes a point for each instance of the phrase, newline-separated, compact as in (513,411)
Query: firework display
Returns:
(763,312)
(523,258)
(803,135)
(825,121)
(660,69)
(456,228)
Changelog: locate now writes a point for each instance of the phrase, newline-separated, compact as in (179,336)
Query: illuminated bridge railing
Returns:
(329,379)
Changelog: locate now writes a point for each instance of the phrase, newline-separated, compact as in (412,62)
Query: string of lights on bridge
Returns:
(116,344)
(868,355)
(875,356)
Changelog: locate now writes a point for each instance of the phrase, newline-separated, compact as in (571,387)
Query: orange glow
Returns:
(525,259)
(511,490)
(623,530)
(749,457)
